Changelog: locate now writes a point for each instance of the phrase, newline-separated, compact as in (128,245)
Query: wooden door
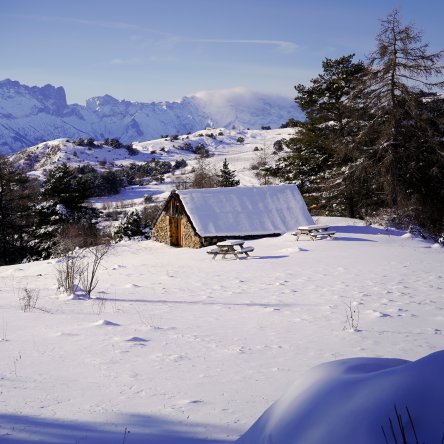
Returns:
(175,231)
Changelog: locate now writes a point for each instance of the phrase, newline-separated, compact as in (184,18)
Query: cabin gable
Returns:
(174,227)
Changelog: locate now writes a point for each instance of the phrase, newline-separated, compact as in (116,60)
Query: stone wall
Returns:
(189,237)
(161,232)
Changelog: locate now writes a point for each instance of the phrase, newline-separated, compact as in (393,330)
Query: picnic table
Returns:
(314,232)
(231,247)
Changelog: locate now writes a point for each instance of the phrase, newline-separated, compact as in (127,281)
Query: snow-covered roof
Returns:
(242,211)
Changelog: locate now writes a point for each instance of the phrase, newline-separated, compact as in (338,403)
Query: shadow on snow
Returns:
(366,229)
(141,429)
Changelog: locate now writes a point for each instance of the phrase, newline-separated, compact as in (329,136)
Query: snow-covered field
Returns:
(175,347)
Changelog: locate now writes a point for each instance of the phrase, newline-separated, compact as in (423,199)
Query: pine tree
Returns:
(131,226)
(227,177)
(61,201)
(63,187)
(17,193)
(401,140)
(319,151)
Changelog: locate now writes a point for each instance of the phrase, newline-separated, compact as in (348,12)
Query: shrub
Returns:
(28,299)
(202,151)
(278,146)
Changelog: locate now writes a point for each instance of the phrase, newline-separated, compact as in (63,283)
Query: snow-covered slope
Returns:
(221,143)
(178,348)
(30,115)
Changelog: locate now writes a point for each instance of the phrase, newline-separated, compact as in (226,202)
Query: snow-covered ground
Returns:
(175,347)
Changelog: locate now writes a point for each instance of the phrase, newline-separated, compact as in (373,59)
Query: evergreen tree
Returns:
(61,201)
(131,226)
(401,140)
(63,187)
(319,151)
(17,193)
(227,177)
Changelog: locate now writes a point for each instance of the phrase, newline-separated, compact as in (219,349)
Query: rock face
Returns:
(30,115)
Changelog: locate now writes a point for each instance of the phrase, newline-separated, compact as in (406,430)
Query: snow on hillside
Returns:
(221,143)
(175,347)
(31,115)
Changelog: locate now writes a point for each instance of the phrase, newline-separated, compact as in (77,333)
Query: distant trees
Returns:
(38,220)
(373,136)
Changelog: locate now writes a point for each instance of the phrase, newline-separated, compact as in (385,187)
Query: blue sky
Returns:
(152,50)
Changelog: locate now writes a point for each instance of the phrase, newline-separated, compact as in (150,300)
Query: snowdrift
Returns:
(352,400)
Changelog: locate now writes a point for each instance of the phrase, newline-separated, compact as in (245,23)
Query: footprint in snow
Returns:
(132,286)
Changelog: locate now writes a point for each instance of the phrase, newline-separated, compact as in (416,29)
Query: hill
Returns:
(239,147)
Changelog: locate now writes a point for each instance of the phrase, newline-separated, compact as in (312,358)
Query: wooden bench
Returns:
(314,232)
(246,250)
(228,247)
(314,236)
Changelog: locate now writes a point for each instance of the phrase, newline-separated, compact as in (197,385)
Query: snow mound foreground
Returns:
(351,400)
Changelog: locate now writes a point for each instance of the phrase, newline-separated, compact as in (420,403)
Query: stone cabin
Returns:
(201,217)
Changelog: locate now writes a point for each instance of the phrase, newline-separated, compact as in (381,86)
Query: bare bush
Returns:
(204,175)
(69,270)
(79,267)
(90,266)
(28,299)
(99,305)
(352,317)
(149,214)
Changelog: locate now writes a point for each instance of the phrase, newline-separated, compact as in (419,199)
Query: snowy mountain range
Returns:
(30,115)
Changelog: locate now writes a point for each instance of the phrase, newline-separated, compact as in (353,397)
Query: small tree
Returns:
(204,175)
(90,142)
(227,177)
(131,226)
(263,166)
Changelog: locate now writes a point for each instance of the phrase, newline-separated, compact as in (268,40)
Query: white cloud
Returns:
(282,45)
